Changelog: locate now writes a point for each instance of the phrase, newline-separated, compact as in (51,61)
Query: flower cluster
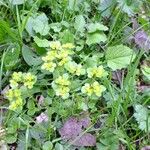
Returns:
(94,88)
(59,55)
(19,78)
(96,72)
(74,68)
(14,94)
(61,86)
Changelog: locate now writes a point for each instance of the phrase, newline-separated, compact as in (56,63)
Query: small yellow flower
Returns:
(87,89)
(71,66)
(63,54)
(17,76)
(10,94)
(98,89)
(50,66)
(13,84)
(55,45)
(68,46)
(13,94)
(19,102)
(96,72)
(15,104)
(94,88)
(75,68)
(51,55)
(63,92)
(79,70)
(63,80)
(64,61)
(29,80)
(17,93)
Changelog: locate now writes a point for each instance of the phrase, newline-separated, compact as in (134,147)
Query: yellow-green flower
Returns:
(68,46)
(51,55)
(55,45)
(61,86)
(96,72)
(17,76)
(94,88)
(63,54)
(64,61)
(63,80)
(87,89)
(29,80)
(98,89)
(16,104)
(50,66)
(75,68)
(62,91)
(13,94)
(13,106)
(79,70)
(13,84)
(71,66)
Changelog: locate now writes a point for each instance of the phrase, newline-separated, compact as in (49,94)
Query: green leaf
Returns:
(79,23)
(93,27)
(40,24)
(108,141)
(27,93)
(36,133)
(7,33)
(58,147)
(142,117)
(29,26)
(119,56)
(106,7)
(129,6)
(31,104)
(17,2)
(94,38)
(41,42)
(146,72)
(48,100)
(67,37)
(56,26)
(11,56)
(47,146)
(91,61)
(11,138)
(37,24)
(30,57)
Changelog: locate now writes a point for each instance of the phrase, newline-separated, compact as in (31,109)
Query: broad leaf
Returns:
(40,24)
(96,37)
(79,23)
(17,2)
(29,26)
(67,37)
(119,56)
(142,117)
(58,146)
(41,42)
(106,7)
(30,57)
(11,56)
(146,72)
(47,145)
(93,27)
